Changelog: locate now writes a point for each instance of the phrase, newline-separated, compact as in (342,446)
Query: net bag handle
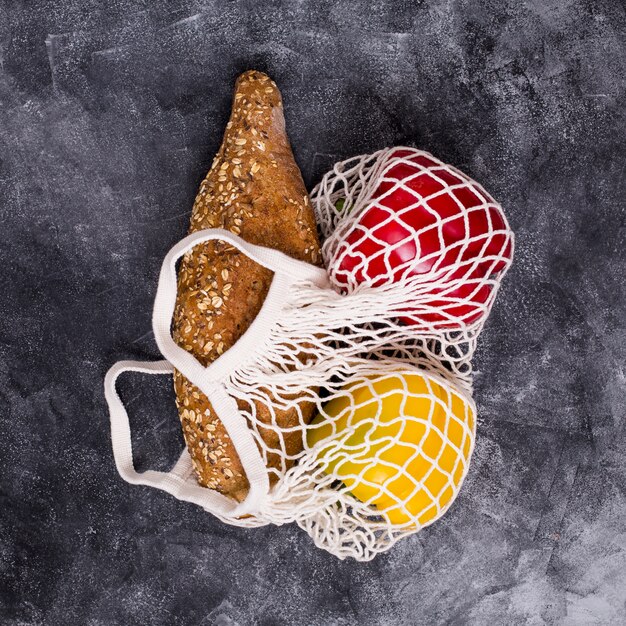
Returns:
(178,481)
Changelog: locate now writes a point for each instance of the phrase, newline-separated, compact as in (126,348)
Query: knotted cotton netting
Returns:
(380,344)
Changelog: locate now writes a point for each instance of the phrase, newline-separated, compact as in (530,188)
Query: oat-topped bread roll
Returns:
(254,189)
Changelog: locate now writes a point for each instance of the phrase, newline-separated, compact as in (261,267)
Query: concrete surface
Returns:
(109,115)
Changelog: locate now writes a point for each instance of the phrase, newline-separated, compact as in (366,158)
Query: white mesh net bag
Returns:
(380,345)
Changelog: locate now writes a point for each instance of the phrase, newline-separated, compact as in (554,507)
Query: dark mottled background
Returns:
(109,115)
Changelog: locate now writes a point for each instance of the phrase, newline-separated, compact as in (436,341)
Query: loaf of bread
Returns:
(253,189)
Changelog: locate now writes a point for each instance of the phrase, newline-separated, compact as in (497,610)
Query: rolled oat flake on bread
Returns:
(255,190)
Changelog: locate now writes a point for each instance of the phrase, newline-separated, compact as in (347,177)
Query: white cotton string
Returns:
(320,335)
(177,481)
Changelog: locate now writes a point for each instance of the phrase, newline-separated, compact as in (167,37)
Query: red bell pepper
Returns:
(430,221)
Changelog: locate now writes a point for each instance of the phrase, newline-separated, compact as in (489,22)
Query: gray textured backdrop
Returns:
(109,115)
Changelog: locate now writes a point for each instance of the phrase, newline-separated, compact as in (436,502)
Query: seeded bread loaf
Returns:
(254,189)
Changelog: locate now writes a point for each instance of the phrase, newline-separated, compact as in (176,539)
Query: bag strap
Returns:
(175,482)
(178,481)
(286,271)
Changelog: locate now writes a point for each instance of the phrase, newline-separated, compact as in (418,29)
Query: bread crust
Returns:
(253,189)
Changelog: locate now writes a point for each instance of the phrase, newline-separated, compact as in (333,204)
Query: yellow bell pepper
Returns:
(400,441)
